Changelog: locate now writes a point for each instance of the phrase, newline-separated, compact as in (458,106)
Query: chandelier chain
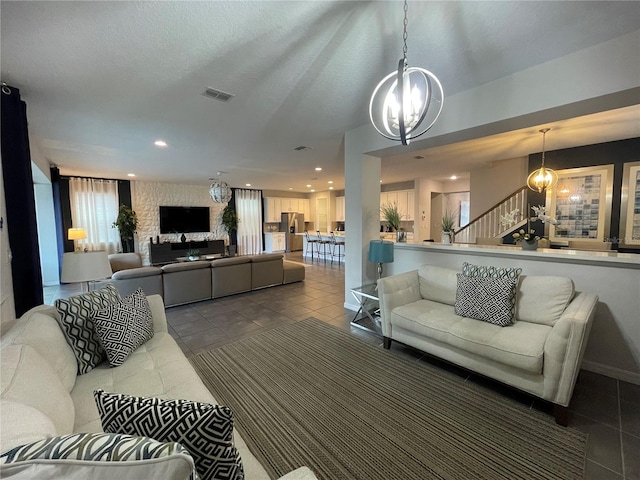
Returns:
(404,34)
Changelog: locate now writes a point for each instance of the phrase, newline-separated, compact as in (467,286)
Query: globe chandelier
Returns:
(220,191)
(543,178)
(407,102)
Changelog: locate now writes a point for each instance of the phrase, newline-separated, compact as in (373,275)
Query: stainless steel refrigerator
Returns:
(292,223)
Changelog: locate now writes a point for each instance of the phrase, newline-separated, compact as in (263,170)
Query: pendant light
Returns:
(543,178)
(407,102)
(220,191)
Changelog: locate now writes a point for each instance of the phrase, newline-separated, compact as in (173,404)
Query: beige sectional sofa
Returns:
(186,282)
(540,353)
(43,396)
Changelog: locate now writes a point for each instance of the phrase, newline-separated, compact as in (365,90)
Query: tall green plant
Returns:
(391,215)
(126,222)
(448,220)
(229,219)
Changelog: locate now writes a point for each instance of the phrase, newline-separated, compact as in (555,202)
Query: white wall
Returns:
(146,199)
(491,184)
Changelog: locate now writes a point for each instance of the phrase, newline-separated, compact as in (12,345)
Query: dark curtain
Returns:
(20,203)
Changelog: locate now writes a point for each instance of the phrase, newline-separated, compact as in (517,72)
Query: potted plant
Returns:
(230,224)
(448,221)
(392,216)
(528,239)
(193,254)
(126,223)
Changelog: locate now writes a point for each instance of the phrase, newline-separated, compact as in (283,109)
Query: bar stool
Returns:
(339,244)
(310,244)
(325,244)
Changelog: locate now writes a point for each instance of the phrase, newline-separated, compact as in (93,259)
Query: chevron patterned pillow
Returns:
(489,271)
(205,430)
(124,326)
(68,453)
(76,323)
(491,300)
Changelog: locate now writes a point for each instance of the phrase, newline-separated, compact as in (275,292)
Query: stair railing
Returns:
(487,224)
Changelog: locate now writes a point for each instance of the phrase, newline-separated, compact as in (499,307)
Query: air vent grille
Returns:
(218,94)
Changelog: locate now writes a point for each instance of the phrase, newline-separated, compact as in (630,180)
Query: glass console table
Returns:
(368,315)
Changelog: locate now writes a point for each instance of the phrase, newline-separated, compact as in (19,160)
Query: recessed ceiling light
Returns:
(308,186)
(131,174)
(318,169)
(453,177)
(247,184)
(160,143)
(380,181)
(330,188)
(330,181)
(312,190)
(290,188)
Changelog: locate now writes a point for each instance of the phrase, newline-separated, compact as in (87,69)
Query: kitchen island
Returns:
(326,236)
(614,344)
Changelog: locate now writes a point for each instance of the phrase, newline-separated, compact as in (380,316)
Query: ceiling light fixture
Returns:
(308,186)
(406,103)
(160,143)
(543,178)
(247,184)
(318,169)
(330,181)
(220,191)
(453,177)
(131,174)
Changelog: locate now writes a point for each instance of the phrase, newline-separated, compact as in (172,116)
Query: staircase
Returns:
(488,226)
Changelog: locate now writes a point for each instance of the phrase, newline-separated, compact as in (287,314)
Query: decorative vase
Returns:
(532,245)
(183,238)
(446,238)
(401,236)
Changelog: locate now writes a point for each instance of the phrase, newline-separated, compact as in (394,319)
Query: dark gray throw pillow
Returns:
(124,326)
(491,300)
(76,322)
(205,430)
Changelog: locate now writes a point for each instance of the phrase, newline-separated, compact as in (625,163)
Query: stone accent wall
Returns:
(147,197)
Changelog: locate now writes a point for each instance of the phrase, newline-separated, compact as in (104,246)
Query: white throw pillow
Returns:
(542,299)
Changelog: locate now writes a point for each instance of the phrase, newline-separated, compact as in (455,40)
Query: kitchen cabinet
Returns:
(405,199)
(340,209)
(274,242)
(274,206)
(272,209)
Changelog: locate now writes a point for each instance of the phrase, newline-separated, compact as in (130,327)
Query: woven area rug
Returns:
(311,394)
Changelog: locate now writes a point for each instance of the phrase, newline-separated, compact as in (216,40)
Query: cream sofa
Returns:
(42,396)
(540,353)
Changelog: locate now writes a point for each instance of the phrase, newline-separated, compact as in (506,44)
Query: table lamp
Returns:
(85,267)
(380,252)
(76,234)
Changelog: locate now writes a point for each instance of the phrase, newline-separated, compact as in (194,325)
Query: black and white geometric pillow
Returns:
(100,447)
(471,270)
(205,430)
(491,300)
(124,326)
(76,323)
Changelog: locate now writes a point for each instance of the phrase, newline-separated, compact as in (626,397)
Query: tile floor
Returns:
(607,409)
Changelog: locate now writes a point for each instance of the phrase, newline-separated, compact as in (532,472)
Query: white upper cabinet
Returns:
(405,199)
(340,209)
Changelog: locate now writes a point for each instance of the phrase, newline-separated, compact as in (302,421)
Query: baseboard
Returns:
(613,372)
(351,306)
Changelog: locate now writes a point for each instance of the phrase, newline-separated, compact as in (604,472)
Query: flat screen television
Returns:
(184,219)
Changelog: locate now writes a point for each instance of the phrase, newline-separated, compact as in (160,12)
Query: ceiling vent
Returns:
(302,148)
(218,94)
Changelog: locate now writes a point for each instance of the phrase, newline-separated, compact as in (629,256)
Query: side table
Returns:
(367,317)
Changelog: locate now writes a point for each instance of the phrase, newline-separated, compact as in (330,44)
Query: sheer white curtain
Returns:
(94,207)
(249,210)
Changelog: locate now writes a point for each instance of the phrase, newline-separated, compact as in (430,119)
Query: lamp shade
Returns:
(76,234)
(85,267)
(380,251)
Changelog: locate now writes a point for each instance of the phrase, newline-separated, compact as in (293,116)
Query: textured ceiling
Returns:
(103,80)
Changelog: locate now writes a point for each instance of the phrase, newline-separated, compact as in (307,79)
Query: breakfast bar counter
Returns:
(614,344)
